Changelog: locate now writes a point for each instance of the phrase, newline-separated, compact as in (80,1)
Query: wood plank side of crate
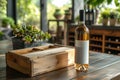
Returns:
(53,62)
(19,63)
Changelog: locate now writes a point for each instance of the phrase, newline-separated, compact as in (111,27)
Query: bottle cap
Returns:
(82,14)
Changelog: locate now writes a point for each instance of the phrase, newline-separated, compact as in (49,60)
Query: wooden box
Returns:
(42,59)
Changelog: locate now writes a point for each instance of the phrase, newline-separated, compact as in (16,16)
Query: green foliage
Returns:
(51,9)
(7,21)
(57,12)
(67,12)
(29,12)
(117,3)
(109,1)
(118,17)
(117,11)
(113,15)
(29,33)
(94,2)
(100,2)
(50,13)
(3,4)
(105,14)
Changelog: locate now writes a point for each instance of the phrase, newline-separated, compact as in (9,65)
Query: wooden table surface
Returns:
(102,67)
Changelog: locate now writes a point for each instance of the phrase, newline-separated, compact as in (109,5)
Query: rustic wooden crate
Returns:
(42,59)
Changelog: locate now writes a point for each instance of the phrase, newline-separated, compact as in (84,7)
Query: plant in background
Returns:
(30,33)
(3,4)
(118,18)
(57,14)
(105,14)
(68,14)
(113,15)
(118,15)
(97,3)
(113,18)
(7,21)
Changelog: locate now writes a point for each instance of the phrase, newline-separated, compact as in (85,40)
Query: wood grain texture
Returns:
(102,67)
(18,62)
(41,61)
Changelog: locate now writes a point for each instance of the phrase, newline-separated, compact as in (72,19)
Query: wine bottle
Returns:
(81,45)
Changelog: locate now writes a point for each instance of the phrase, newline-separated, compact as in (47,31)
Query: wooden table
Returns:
(102,67)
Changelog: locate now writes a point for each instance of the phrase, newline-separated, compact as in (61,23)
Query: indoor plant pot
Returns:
(7,22)
(105,17)
(57,14)
(18,43)
(113,18)
(113,22)
(67,15)
(105,21)
(28,36)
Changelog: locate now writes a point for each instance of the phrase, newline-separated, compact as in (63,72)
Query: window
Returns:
(28,12)
(52,5)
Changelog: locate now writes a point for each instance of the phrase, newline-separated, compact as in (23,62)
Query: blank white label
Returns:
(82,52)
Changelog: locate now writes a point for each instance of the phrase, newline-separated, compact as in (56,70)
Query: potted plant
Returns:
(67,14)
(118,21)
(28,36)
(7,22)
(113,18)
(105,16)
(57,14)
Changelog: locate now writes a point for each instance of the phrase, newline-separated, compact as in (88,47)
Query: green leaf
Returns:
(116,2)
(109,1)
(94,2)
(99,1)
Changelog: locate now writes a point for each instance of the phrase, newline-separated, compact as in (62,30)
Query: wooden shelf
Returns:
(114,42)
(95,39)
(100,36)
(93,45)
(95,51)
(92,33)
(117,49)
